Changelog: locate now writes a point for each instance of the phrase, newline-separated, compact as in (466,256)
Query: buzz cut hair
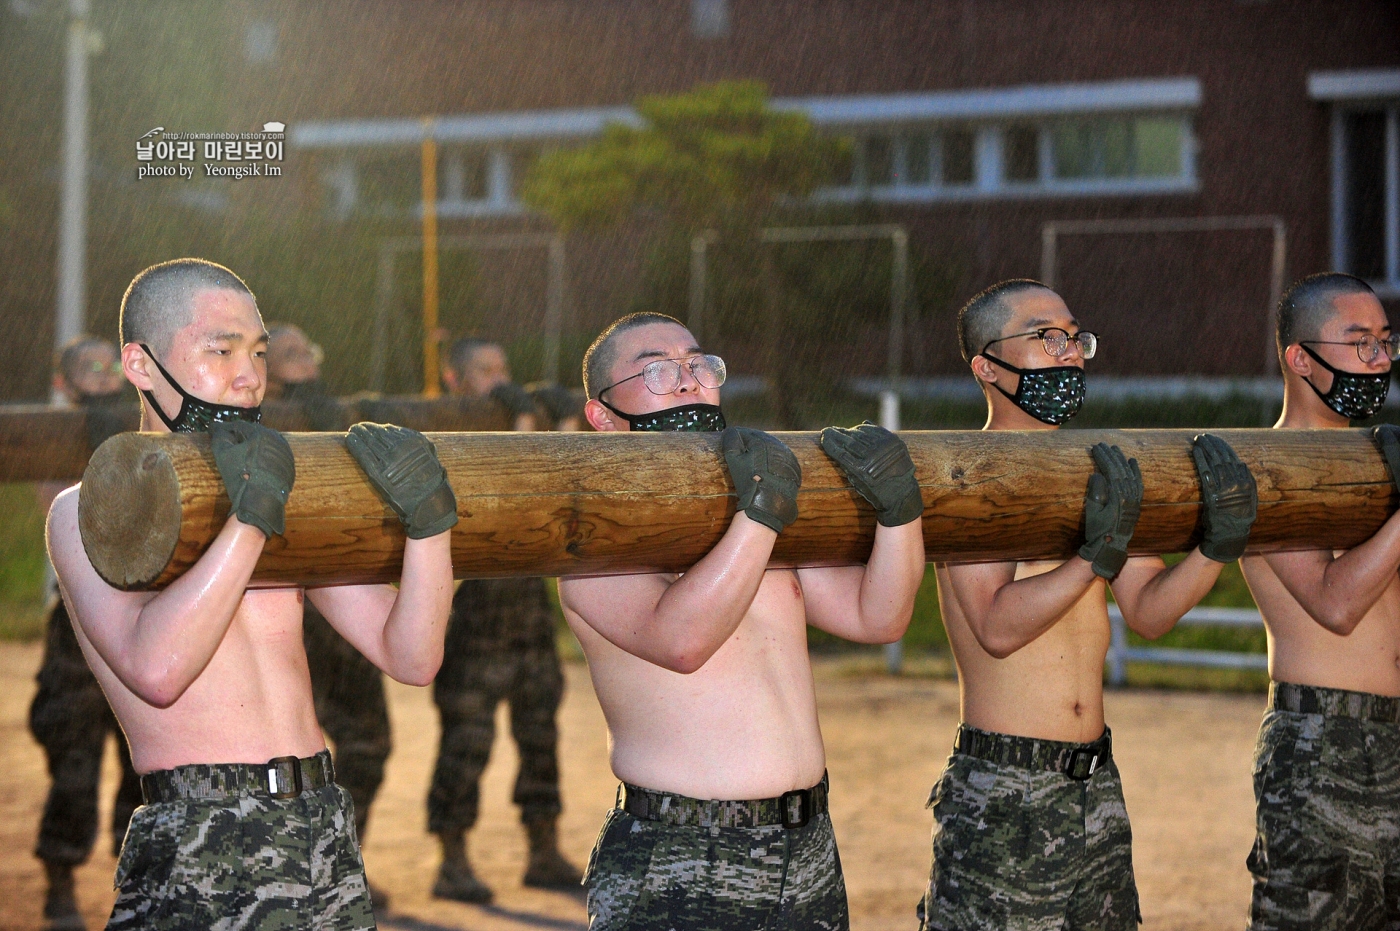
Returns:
(984,316)
(159,302)
(601,356)
(67,357)
(1309,303)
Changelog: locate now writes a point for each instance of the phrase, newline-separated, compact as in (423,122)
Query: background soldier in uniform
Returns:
(500,645)
(348,689)
(70,716)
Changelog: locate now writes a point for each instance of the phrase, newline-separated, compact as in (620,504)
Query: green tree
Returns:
(718,158)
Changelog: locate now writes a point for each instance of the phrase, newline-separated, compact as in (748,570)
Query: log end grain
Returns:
(129,510)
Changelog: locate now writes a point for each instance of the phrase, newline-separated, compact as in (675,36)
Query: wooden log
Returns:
(40,443)
(574,504)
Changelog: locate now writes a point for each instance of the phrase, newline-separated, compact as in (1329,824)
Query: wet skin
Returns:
(208,671)
(704,676)
(1030,638)
(1333,618)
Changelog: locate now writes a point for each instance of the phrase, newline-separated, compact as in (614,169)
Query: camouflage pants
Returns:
(243,861)
(1327,852)
(657,876)
(500,647)
(1029,850)
(70,718)
(349,694)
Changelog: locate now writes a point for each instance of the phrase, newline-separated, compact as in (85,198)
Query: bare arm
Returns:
(400,631)
(157,645)
(871,603)
(678,624)
(1153,597)
(1006,614)
(1337,592)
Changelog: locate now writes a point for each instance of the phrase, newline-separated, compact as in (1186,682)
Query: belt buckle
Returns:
(804,808)
(1083,763)
(284,777)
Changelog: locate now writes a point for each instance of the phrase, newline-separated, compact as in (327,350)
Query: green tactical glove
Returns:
(403,467)
(513,398)
(1387,437)
(766,475)
(258,470)
(1111,507)
(1229,495)
(878,465)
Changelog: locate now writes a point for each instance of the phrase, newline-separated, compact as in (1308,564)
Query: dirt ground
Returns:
(1185,760)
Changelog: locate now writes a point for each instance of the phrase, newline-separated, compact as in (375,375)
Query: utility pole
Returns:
(71,312)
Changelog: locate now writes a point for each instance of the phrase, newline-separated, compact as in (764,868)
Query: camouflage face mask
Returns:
(1356,395)
(1052,395)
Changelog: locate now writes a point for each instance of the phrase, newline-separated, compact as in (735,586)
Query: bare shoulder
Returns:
(89,597)
(62,527)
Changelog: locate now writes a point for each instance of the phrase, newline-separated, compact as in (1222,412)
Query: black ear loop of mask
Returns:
(196,414)
(1354,395)
(1052,395)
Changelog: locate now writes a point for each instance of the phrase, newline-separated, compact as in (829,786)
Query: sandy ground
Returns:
(1185,760)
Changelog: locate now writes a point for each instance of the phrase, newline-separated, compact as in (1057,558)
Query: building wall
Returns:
(1164,303)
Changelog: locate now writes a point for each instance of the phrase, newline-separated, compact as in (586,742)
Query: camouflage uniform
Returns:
(667,862)
(215,850)
(70,718)
(1018,843)
(349,693)
(500,646)
(1327,787)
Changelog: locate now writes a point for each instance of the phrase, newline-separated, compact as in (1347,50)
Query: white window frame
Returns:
(1352,91)
(988,113)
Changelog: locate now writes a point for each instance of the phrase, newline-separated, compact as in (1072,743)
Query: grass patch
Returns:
(22,562)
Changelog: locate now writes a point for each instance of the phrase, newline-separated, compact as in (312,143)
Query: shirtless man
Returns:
(1030,827)
(704,676)
(1327,765)
(244,825)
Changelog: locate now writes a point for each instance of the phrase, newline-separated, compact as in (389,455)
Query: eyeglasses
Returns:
(1055,340)
(664,375)
(1368,347)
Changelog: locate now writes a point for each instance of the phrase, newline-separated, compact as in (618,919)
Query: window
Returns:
(958,167)
(1365,109)
(1365,193)
(918,158)
(1143,147)
(879,161)
(1021,155)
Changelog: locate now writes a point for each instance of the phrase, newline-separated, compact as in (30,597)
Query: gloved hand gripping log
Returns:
(573,504)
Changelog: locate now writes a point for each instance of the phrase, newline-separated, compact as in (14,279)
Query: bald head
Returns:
(160,301)
(1309,303)
(984,317)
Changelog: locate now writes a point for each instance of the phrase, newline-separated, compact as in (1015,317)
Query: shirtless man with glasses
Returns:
(704,676)
(1327,765)
(1030,826)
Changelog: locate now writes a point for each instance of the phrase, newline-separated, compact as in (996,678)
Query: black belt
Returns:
(1335,703)
(791,809)
(1077,761)
(281,778)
